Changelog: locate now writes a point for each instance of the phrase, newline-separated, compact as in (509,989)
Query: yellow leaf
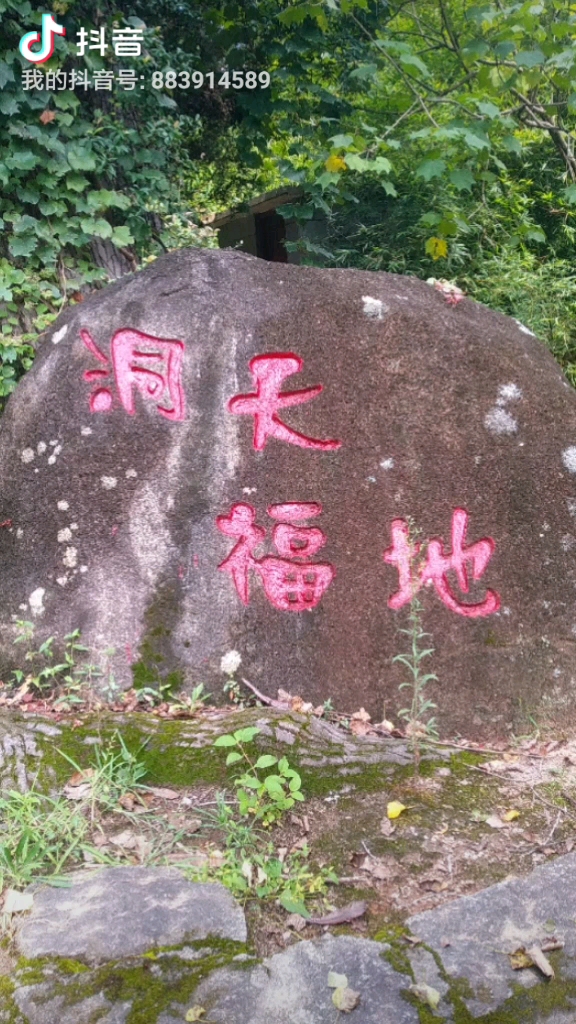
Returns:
(511,815)
(394,809)
(195,1013)
(335,163)
(437,248)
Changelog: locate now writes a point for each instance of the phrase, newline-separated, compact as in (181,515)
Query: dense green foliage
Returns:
(437,137)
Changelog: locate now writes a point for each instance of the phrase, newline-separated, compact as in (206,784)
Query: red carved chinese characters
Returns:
(291,583)
(152,365)
(437,564)
(269,373)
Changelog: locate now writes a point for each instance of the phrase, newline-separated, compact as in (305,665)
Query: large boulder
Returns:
(220,454)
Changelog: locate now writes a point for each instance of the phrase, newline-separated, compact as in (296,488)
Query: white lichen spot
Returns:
(498,421)
(19,532)
(85,431)
(508,393)
(506,611)
(36,601)
(83,568)
(524,329)
(24,608)
(51,460)
(73,526)
(63,506)
(230,662)
(58,449)
(27,455)
(41,447)
(53,443)
(62,580)
(36,470)
(249,490)
(387,464)
(70,557)
(64,536)
(569,458)
(58,335)
(371,479)
(567,542)
(557,672)
(131,473)
(374,308)
(108,482)
(169,501)
(571,503)
(546,527)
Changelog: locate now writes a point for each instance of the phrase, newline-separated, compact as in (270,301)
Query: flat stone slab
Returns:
(120,912)
(472,935)
(292,987)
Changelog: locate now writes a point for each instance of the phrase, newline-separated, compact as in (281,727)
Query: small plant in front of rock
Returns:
(419,727)
(115,772)
(263,797)
(47,675)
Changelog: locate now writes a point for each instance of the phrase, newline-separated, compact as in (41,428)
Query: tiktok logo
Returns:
(50,29)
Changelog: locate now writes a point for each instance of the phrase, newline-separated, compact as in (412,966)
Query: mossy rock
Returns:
(181,751)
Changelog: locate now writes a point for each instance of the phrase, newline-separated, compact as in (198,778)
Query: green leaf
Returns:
(23,246)
(512,144)
(292,905)
(81,159)
(530,58)
(430,169)
(77,182)
(9,105)
(246,735)
(364,72)
(225,741)
(462,179)
(265,761)
(341,141)
(233,757)
(122,236)
(570,194)
(336,980)
(22,160)
(6,74)
(487,108)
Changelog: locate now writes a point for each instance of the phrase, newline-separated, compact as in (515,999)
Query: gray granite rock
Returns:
(119,912)
(40,1005)
(292,987)
(483,928)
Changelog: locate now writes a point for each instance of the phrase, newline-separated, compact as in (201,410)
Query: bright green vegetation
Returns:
(436,138)
(251,866)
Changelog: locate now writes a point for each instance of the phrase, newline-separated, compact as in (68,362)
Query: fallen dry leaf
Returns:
(195,1013)
(341,916)
(394,809)
(127,801)
(47,115)
(360,716)
(297,922)
(495,821)
(360,728)
(127,840)
(345,999)
(540,961)
(162,793)
(511,815)
(386,827)
(426,994)
(532,957)
(15,902)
